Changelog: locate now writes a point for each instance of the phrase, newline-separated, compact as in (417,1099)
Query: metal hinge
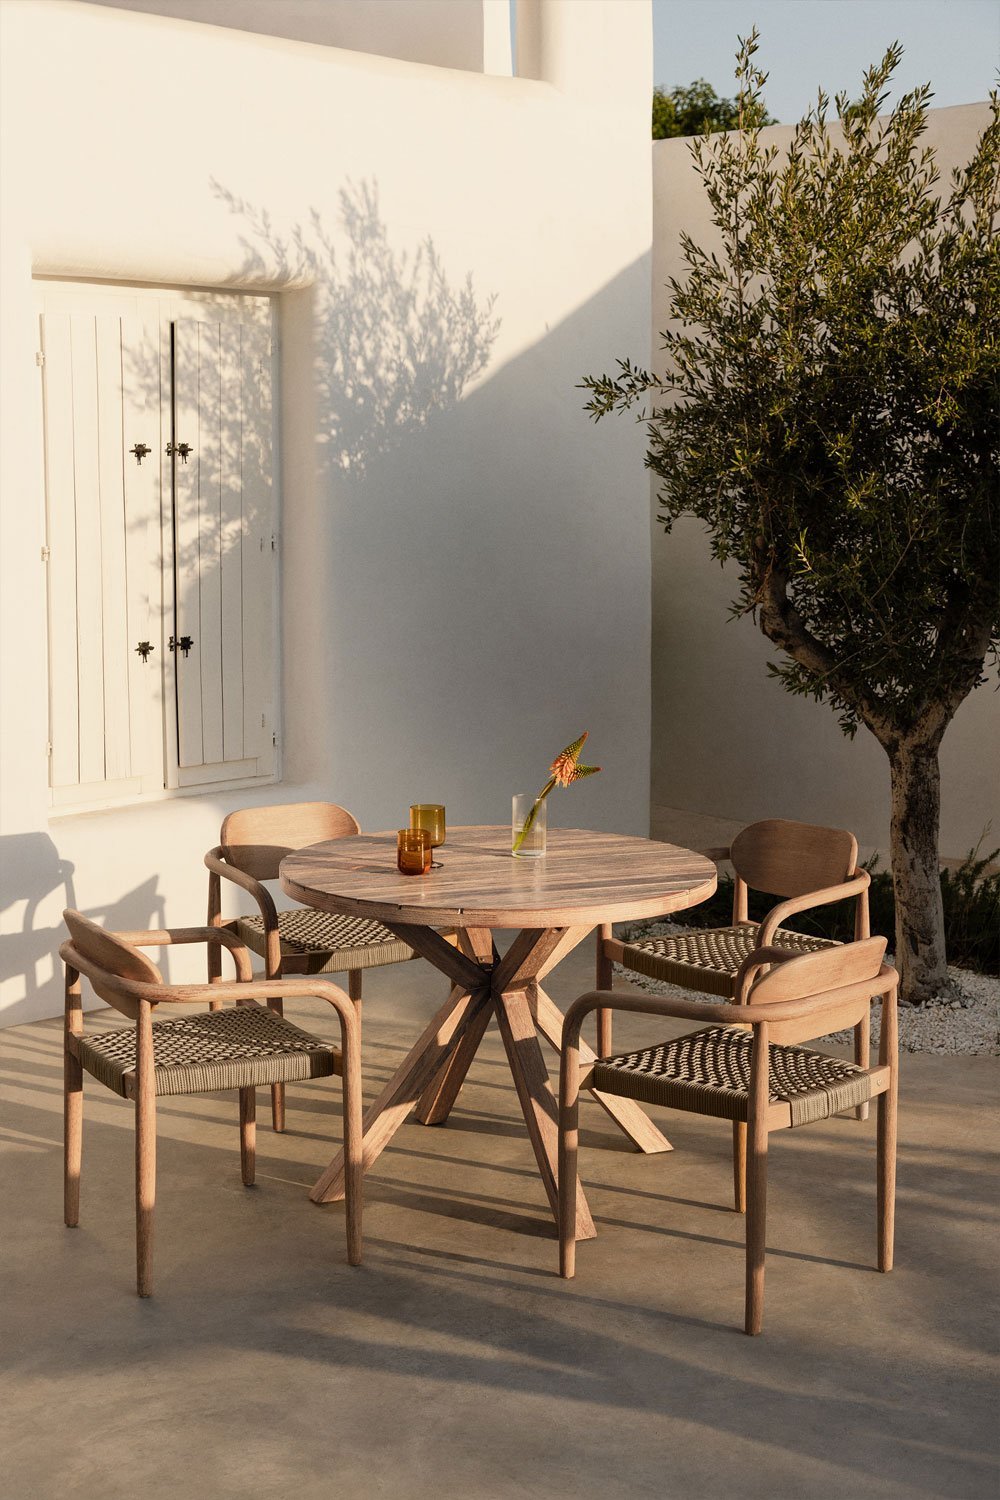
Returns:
(39,358)
(274,739)
(48,748)
(46,554)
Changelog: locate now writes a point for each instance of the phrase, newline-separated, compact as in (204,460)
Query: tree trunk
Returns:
(916,880)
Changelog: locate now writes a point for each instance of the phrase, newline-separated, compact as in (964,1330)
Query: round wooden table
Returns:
(585,880)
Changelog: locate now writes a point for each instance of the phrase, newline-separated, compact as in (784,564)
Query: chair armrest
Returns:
(164,937)
(302,986)
(251,988)
(858,883)
(133,992)
(247,986)
(721,1013)
(642,1003)
(215,862)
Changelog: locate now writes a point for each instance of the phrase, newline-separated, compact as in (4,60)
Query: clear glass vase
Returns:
(527,827)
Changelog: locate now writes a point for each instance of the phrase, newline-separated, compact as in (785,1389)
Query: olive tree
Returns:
(828,409)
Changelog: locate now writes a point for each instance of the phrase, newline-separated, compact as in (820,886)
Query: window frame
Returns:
(163,306)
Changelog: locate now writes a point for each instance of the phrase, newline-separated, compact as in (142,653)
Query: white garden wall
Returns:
(464,561)
(728,742)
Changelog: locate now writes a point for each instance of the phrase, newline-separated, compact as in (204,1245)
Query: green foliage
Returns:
(695,109)
(971,895)
(971,898)
(829,403)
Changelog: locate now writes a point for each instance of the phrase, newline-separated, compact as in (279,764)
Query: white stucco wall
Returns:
(445,33)
(458,599)
(727,740)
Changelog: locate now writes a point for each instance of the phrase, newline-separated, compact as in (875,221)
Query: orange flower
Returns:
(565,767)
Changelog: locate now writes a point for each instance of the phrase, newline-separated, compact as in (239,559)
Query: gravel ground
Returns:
(970,1024)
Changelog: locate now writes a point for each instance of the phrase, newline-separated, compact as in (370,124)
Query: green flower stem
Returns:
(529,821)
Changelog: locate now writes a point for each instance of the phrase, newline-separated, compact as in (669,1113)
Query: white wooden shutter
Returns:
(224,559)
(104,576)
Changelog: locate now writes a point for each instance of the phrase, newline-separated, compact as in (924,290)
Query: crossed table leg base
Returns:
(486,985)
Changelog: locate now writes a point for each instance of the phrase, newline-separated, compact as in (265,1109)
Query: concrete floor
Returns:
(454,1363)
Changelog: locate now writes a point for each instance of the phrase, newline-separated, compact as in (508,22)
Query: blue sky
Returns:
(952,44)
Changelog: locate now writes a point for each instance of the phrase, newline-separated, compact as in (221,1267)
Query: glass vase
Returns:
(527,827)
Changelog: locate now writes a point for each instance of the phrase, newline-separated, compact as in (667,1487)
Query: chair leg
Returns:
(756,1226)
(214,953)
(740,1165)
(886,1174)
(605,977)
(248,1135)
(862,1051)
(277,1089)
(145,1155)
(145,1196)
(888,1052)
(354,989)
(569,1151)
(756,1206)
(72,1112)
(72,1139)
(354,1166)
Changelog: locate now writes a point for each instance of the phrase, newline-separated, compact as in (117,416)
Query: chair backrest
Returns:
(256,839)
(111,954)
(842,977)
(790,859)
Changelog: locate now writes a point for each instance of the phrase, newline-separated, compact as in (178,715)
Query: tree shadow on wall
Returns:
(396,341)
(33,871)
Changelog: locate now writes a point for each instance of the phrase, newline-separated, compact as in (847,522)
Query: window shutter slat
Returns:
(258,549)
(117,757)
(143,559)
(89,581)
(187,558)
(232,544)
(209,471)
(64,727)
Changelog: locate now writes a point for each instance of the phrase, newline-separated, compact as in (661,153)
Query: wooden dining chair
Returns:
(244,1047)
(802,863)
(252,844)
(745,1067)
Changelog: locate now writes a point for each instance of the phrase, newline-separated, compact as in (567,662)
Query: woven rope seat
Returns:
(245,1047)
(708,1072)
(342,942)
(708,958)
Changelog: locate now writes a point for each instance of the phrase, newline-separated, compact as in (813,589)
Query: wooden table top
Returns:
(584,878)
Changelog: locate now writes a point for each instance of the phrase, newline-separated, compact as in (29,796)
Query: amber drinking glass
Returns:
(413,851)
(429,816)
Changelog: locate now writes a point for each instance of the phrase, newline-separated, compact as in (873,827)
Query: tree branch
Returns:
(781,623)
(975,638)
